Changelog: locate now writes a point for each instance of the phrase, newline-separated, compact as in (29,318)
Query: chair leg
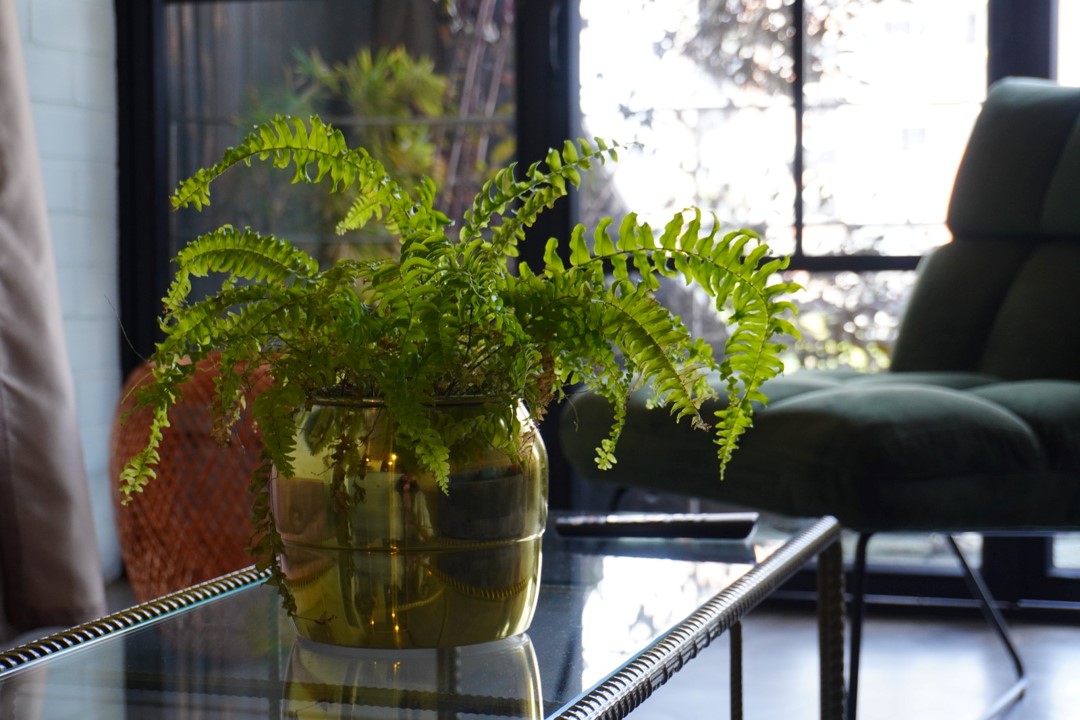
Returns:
(616,498)
(858,603)
(978,589)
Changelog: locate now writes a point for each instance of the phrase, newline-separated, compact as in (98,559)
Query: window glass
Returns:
(915,551)
(710,122)
(715,129)
(426,87)
(891,88)
(848,319)
(1066,551)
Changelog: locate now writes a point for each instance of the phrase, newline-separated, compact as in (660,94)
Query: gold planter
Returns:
(382,558)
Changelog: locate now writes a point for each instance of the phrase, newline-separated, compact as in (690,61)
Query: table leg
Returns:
(735,637)
(830,588)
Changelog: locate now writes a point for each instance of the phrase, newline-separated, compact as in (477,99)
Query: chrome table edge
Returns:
(23,656)
(632,684)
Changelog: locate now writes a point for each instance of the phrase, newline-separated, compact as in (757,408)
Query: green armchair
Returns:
(976,426)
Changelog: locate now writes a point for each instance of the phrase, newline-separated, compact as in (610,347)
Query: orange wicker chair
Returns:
(191,523)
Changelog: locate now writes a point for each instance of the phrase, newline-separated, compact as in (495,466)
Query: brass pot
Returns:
(376,555)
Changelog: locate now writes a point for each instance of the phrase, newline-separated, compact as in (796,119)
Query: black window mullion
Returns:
(853,263)
(1014,566)
(141,157)
(547,106)
(798,51)
(1022,39)
(799,259)
(548,112)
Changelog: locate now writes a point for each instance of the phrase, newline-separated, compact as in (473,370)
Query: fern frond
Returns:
(316,152)
(240,254)
(448,315)
(542,185)
(656,346)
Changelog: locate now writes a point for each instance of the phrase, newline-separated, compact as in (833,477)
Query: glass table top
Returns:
(603,603)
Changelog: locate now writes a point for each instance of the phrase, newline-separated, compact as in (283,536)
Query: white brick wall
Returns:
(70,52)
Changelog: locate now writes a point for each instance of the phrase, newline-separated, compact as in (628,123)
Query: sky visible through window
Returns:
(709,100)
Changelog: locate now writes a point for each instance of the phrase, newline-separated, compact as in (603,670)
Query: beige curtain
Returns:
(50,571)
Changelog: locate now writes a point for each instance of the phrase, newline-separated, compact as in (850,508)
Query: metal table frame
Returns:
(628,686)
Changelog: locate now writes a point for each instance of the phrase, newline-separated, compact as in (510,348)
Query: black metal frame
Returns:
(623,690)
(142,179)
(636,681)
(1022,41)
(547,112)
(978,589)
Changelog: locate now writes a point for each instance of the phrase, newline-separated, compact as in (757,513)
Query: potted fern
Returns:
(402,492)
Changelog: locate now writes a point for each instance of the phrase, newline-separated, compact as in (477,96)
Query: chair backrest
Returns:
(1003,298)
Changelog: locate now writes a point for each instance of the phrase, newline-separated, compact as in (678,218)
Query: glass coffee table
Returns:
(617,617)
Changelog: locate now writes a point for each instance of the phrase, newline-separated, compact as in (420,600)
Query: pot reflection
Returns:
(498,679)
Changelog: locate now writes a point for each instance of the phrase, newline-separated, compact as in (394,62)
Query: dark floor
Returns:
(911,668)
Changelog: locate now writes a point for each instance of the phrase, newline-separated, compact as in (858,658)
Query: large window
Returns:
(795,119)
(833,127)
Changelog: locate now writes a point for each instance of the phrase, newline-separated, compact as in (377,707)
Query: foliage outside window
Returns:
(707,87)
(426,86)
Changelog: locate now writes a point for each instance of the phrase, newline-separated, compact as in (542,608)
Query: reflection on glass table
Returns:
(616,618)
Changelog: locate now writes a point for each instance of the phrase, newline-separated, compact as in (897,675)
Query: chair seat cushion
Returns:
(1051,408)
(912,451)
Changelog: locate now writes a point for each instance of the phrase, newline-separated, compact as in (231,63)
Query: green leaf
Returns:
(602,241)
(579,251)
(552,261)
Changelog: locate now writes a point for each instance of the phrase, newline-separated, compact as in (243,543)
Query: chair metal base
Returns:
(978,589)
